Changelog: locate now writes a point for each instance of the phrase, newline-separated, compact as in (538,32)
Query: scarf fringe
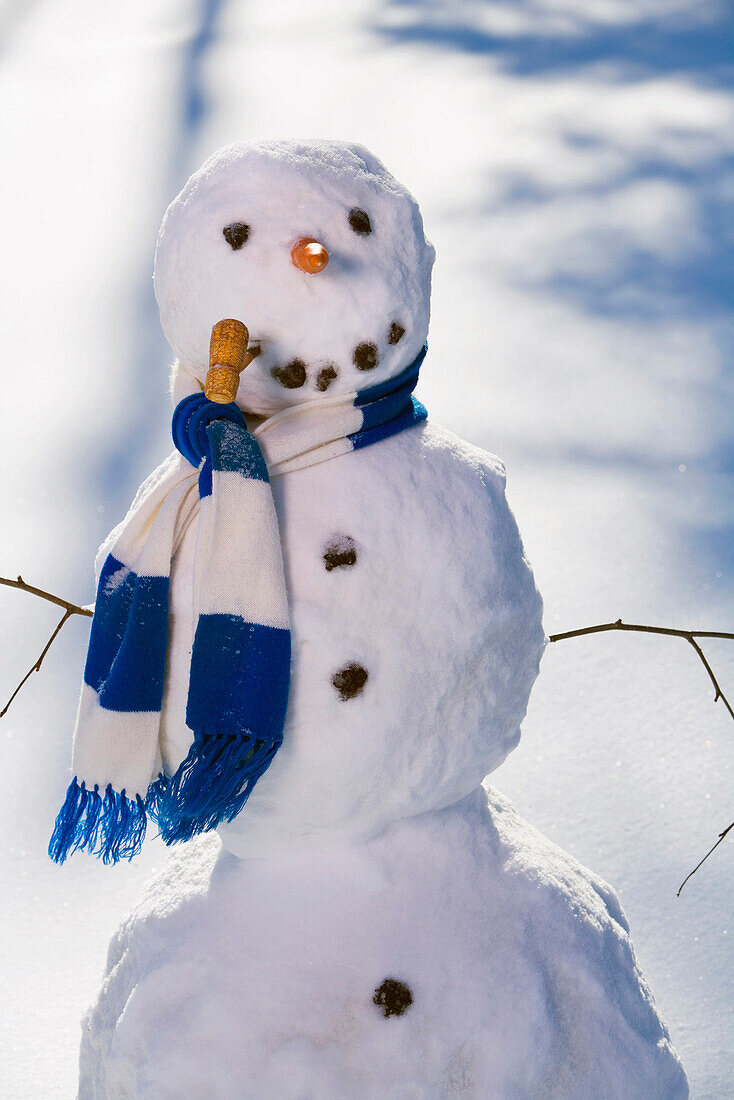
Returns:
(212,784)
(112,827)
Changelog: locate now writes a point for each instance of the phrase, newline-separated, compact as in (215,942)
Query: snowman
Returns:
(355,916)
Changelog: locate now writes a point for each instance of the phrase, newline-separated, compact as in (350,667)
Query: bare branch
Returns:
(72,608)
(689,636)
(37,666)
(701,862)
(718,692)
(619,625)
(69,610)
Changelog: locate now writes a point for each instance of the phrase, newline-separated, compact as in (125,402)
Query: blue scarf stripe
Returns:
(386,410)
(206,487)
(228,451)
(236,452)
(389,407)
(107,633)
(253,655)
(414,413)
(127,644)
(191,419)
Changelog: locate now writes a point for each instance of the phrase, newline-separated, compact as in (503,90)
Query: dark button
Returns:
(340,551)
(393,997)
(350,680)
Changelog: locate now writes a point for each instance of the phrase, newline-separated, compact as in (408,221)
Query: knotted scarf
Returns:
(240,662)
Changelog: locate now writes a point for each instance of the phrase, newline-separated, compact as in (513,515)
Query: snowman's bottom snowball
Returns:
(257,979)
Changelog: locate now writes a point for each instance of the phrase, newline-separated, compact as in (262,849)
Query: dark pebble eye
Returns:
(396,333)
(236,234)
(359,221)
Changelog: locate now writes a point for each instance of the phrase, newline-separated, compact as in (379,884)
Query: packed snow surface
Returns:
(256,978)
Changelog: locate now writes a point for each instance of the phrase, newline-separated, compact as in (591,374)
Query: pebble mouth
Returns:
(296,372)
(292,376)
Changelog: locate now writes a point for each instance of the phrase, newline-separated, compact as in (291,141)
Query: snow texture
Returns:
(523,977)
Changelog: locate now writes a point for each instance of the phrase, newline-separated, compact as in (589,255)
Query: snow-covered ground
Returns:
(573,159)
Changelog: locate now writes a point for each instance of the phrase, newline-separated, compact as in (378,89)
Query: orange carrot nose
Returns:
(309,255)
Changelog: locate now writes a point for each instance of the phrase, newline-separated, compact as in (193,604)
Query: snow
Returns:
(256,977)
(602,381)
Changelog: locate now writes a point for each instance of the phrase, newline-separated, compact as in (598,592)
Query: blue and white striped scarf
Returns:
(240,663)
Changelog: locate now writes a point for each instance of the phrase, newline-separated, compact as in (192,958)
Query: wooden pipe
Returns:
(228,357)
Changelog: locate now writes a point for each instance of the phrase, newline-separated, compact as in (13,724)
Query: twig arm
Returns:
(69,610)
(701,862)
(619,625)
(689,636)
(37,666)
(717,690)
(72,608)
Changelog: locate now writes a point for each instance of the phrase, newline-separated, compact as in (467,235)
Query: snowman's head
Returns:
(226,249)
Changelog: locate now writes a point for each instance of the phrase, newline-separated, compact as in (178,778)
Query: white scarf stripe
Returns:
(239,579)
(121,749)
(292,438)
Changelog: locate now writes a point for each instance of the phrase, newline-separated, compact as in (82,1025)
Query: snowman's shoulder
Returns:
(468,483)
(442,449)
(577,937)
(439,464)
(554,880)
(185,878)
